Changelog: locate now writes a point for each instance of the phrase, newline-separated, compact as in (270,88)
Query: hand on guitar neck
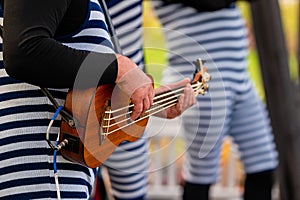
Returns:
(185,100)
(139,87)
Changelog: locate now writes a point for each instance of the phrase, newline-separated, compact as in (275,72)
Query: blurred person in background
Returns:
(215,31)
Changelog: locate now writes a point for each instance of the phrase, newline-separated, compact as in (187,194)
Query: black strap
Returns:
(1,31)
(110,27)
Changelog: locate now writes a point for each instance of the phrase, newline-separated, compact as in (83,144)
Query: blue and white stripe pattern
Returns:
(128,165)
(231,106)
(127,20)
(26,167)
(92,36)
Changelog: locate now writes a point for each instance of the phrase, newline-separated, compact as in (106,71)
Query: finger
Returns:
(184,82)
(146,104)
(151,95)
(137,110)
(188,99)
(191,97)
(172,86)
(180,103)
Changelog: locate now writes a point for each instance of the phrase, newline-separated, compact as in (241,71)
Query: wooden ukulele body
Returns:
(97,131)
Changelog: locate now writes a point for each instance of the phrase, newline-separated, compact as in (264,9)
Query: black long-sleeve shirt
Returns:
(31,53)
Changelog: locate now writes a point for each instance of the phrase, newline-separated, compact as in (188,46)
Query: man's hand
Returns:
(136,84)
(185,100)
(139,87)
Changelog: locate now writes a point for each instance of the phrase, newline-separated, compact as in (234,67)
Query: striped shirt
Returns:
(26,167)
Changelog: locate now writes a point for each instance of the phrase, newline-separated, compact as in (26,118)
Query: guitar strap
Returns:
(110,27)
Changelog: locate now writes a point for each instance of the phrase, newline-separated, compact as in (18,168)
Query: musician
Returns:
(215,30)
(50,44)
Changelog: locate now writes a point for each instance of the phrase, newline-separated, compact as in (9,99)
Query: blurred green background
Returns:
(156,59)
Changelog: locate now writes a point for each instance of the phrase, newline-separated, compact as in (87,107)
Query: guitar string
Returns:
(154,104)
(108,122)
(195,86)
(143,117)
(150,111)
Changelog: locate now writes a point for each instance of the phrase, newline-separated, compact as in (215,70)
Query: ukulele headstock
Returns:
(201,78)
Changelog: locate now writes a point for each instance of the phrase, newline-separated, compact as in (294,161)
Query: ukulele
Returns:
(101,124)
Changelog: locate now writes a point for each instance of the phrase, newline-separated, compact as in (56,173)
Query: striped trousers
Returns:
(232,106)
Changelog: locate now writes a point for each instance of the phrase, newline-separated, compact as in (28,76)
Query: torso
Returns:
(24,117)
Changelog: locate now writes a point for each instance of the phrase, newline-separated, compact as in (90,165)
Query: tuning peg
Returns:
(199,65)
(206,76)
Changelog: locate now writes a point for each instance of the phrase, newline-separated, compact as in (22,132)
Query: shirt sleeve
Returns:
(32,55)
